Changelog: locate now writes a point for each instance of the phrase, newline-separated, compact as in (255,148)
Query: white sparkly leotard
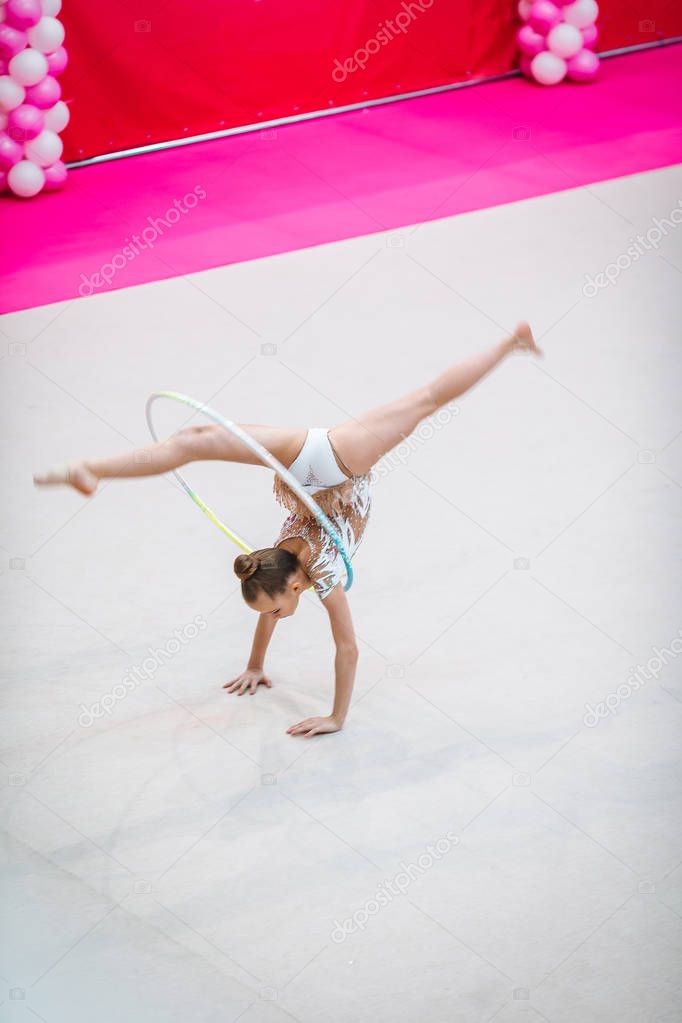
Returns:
(344,498)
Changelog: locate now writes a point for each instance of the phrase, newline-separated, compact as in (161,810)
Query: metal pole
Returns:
(278,122)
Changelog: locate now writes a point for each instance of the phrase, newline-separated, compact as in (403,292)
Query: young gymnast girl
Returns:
(335,466)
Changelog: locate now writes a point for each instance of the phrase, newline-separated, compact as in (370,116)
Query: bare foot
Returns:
(522,340)
(76,475)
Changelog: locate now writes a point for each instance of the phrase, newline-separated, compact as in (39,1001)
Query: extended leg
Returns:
(361,442)
(192,444)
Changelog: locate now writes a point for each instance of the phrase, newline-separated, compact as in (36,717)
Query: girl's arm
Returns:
(253,676)
(261,640)
(345,663)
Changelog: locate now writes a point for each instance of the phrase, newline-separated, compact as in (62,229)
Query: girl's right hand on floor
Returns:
(248,680)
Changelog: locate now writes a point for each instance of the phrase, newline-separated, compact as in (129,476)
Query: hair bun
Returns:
(245,565)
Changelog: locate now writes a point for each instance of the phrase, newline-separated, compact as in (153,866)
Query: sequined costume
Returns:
(345,499)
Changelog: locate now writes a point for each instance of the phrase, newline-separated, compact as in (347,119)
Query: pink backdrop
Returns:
(165,69)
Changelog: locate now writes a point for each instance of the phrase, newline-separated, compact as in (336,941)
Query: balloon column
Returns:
(32,113)
(557,40)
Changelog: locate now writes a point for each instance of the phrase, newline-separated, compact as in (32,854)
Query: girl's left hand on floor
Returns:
(314,726)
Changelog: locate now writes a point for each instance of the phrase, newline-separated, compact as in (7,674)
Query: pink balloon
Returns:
(543,16)
(10,151)
(23,14)
(57,61)
(583,67)
(11,41)
(25,122)
(45,94)
(590,36)
(55,176)
(529,41)
(3,66)
(3,181)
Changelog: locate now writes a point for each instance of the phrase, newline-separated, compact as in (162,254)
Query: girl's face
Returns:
(282,605)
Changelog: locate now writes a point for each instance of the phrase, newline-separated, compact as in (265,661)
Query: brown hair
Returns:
(266,570)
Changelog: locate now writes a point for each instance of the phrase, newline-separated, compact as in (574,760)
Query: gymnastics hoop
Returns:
(265,457)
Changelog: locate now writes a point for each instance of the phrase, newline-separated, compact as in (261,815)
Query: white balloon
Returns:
(547,68)
(581,13)
(11,94)
(565,40)
(52,7)
(28,67)
(57,117)
(25,179)
(44,149)
(47,36)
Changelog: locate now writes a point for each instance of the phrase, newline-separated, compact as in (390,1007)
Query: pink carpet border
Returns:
(179,211)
